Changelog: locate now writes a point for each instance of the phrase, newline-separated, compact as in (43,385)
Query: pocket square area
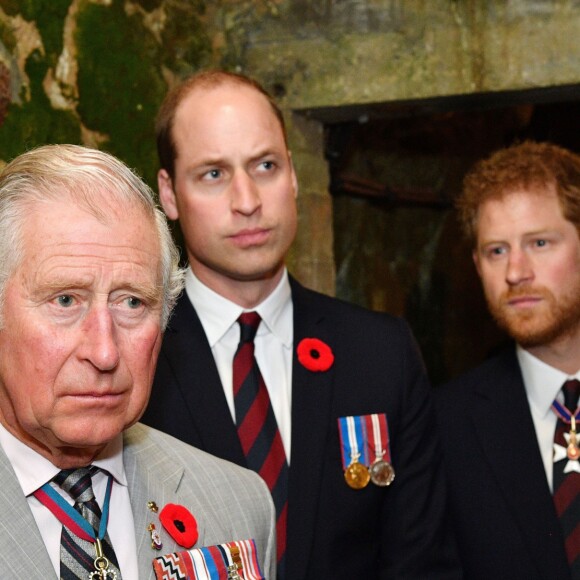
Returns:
(230,561)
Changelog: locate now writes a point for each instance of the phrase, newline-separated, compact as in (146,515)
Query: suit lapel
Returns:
(186,347)
(22,548)
(311,415)
(512,452)
(151,477)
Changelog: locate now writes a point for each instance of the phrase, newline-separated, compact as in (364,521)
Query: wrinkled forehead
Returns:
(70,234)
(107,205)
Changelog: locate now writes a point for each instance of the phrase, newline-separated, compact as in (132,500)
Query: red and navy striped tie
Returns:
(257,427)
(567,485)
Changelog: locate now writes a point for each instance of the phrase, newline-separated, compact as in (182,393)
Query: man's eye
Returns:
(133,302)
(65,300)
(267,165)
(213,174)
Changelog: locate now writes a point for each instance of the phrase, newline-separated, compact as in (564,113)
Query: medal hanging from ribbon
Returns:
(572,450)
(365,450)
(69,517)
(231,561)
(353,446)
(381,469)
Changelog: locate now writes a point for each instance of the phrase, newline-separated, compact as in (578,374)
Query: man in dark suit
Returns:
(512,485)
(227,175)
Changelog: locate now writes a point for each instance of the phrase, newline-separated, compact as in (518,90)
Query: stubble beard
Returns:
(556,319)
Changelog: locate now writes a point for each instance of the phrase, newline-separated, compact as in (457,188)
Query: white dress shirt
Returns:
(273,343)
(543,384)
(33,471)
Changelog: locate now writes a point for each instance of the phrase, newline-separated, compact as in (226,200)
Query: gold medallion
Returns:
(572,450)
(357,475)
(382,473)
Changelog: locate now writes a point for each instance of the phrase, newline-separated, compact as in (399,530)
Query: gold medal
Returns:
(572,450)
(101,565)
(357,475)
(382,473)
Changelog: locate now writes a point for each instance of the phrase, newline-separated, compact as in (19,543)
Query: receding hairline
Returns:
(205,81)
(202,91)
(208,87)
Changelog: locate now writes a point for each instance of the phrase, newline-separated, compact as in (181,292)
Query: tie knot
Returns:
(571,394)
(249,322)
(77,483)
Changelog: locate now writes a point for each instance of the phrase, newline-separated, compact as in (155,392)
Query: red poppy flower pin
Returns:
(314,355)
(180,524)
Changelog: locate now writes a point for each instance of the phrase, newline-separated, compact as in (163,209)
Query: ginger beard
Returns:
(550,321)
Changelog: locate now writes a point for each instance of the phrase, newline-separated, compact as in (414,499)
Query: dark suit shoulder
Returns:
(358,318)
(482,376)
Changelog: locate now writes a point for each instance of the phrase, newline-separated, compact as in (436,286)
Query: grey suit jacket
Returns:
(228,502)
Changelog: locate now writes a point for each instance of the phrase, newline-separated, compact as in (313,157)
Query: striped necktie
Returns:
(77,556)
(567,480)
(257,427)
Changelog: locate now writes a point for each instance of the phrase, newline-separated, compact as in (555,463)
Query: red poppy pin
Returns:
(180,524)
(314,355)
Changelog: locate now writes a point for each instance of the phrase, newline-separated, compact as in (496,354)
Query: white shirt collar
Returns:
(542,382)
(33,470)
(218,314)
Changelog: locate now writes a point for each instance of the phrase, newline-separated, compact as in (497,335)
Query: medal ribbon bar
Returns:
(353,439)
(379,442)
(231,561)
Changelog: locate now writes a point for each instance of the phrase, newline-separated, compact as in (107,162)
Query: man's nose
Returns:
(519,267)
(245,195)
(99,345)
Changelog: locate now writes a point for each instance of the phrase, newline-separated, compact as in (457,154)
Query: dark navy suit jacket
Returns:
(333,531)
(500,502)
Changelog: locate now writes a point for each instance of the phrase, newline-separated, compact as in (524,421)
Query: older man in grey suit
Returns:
(88,277)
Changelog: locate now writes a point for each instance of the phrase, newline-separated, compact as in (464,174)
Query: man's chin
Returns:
(83,437)
(531,332)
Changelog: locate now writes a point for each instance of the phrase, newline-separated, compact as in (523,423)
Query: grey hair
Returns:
(94,180)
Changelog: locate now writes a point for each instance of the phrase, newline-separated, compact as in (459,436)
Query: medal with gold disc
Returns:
(354,448)
(357,475)
(571,451)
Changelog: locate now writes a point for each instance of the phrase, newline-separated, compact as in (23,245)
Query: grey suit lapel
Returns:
(151,478)
(22,553)
(503,425)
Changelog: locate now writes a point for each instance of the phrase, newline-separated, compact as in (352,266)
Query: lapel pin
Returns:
(155,537)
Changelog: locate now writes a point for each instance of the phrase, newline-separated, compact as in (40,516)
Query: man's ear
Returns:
(293,175)
(167,194)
